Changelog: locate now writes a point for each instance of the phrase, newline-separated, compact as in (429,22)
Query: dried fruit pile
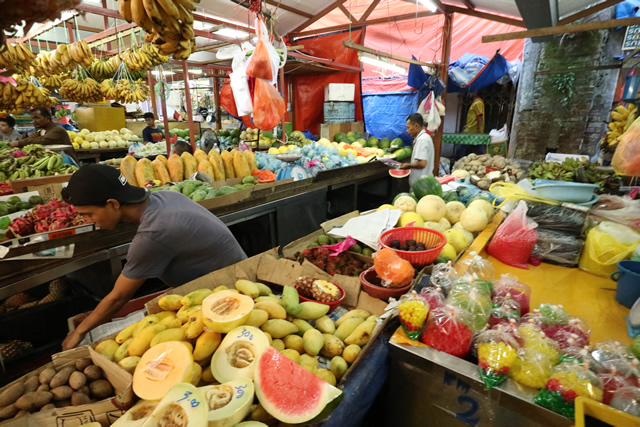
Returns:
(77,384)
(344,263)
(54,215)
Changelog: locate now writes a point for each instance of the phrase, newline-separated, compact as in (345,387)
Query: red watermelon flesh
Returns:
(399,173)
(287,391)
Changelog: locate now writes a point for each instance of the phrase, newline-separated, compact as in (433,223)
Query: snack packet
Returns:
(503,310)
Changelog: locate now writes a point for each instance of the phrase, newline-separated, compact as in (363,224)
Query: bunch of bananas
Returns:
(125,91)
(25,95)
(53,82)
(169,23)
(37,163)
(143,58)
(16,57)
(87,90)
(102,69)
(63,59)
(621,118)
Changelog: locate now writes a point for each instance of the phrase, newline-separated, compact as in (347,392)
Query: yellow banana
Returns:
(152,11)
(124,6)
(169,7)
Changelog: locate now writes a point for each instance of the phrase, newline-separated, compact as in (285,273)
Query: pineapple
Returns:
(303,285)
(324,291)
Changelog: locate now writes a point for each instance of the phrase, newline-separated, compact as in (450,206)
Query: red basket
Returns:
(432,239)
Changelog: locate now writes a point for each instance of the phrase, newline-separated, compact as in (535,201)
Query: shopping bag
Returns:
(268,106)
(499,135)
(515,239)
(626,159)
(241,93)
(264,62)
(606,245)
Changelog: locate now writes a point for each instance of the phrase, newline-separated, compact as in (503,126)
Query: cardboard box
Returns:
(47,187)
(329,130)
(106,411)
(339,92)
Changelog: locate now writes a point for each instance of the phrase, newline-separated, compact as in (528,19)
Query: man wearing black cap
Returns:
(177,240)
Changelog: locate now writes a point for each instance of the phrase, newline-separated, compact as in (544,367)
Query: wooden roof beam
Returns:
(484,15)
(347,13)
(469,4)
(439,6)
(563,29)
(369,10)
(319,15)
(589,11)
(279,5)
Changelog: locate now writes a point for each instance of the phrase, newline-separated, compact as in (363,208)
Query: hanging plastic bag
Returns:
(626,159)
(606,245)
(264,62)
(499,135)
(241,93)
(515,238)
(268,106)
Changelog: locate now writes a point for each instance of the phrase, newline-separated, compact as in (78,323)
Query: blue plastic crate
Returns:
(339,112)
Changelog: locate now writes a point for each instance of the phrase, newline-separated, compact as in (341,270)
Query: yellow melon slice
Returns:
(160,368)
(238,353)
(222,311)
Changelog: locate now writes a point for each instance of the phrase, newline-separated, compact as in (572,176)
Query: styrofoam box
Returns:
(339,92)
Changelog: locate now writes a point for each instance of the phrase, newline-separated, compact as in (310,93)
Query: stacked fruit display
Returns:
(169,24)
(58,288)
(13,349)
(16,58)
(241,340)
(31,161)
(143,58)
(484,170)
(111,139)
(25,95)
(52,216)
(345,263)
(16,204)
(64,59)
(198,190)
(125,91)
(78,384)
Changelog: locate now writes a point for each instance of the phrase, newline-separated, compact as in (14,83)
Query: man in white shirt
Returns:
(422,155)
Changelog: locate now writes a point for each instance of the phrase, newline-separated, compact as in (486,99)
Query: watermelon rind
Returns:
(399,173)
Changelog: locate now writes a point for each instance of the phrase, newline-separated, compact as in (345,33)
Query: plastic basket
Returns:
(432,239)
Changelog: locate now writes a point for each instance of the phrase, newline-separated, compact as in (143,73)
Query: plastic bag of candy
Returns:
(450,330)
(607,355)
(531,368)
(497,351)
(482,285)
(503,310)
(509,285)
(434,296)
(612,380)
(444,276)
(575,333)
(472,299)
(567,382)
(413,311)
(536,339)
(511,328)
(477,267)
(547,315)
(627,399)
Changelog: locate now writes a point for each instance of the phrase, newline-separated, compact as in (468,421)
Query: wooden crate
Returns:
(329,130)
(48,186)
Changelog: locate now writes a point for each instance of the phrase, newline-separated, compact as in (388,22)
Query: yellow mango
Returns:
(163,159)
(218,165)
(240,165)
(227,160)
(206,168)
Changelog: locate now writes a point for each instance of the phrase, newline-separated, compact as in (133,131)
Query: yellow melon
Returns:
(222,311)
(160,368)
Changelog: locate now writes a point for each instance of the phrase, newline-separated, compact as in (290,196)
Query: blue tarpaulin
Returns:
(628,9)
(491,73)
(385,114)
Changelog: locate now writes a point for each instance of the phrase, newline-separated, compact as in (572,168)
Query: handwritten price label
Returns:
(245,334)
(193,402)
(240,391)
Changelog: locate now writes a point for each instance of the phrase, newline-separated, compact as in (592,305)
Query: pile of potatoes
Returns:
(77,384)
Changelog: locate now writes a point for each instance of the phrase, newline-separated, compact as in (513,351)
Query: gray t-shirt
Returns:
(178,241)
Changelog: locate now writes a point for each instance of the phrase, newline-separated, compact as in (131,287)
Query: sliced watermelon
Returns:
(288,392)
(399,173)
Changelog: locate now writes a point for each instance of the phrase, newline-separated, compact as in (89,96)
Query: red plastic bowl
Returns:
(372,285)
(332,305)
(432,239)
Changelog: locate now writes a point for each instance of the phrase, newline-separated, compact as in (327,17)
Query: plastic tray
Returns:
(573,192)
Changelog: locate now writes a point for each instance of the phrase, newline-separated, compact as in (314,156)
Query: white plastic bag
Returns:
(429,111)
(499,135)
(241,93)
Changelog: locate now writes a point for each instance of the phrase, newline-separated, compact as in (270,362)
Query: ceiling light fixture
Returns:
(377,62)
(429,4)
(195,71)
(233,33)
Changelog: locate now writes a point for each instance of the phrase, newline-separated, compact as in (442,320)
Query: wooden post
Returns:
(152,94)
(216,99)
(444,75)
(70,32)
(187,93)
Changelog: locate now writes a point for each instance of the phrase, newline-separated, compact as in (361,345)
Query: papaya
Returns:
(160,172)
(240,165)
(128,170)
(200,155)
(251,160)
(227,160)
(163,159)
(218,165)
(190,165)
(206,168)
(144,172)
(175,168)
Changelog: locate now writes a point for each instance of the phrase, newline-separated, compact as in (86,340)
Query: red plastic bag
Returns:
(268,106)
(515,239)
(260,65)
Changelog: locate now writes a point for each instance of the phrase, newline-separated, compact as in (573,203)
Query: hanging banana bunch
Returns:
(101,69)
(26,94)
(143,58)
(64,59)
(123,88)
(53,83)
(81,89)
(168,22)
(16,58)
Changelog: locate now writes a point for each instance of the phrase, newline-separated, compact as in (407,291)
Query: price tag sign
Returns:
(631,38)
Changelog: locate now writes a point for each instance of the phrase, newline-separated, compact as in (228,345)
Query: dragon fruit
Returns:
(22,226)
(42,226)
(62,214)
(58,225)
(19,153)
(42,212)
(80,220)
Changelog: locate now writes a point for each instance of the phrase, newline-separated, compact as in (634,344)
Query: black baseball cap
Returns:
(95,184)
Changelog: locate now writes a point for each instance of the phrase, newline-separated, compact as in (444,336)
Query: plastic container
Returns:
(339,112)
(372,285)
(332,305)
(432,239)
(573,192)
(628,278)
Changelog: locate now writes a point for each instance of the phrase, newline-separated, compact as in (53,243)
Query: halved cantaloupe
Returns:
(182,406)
(137,415)
(229,403)
(237,354)
(160,368)
(222,311)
